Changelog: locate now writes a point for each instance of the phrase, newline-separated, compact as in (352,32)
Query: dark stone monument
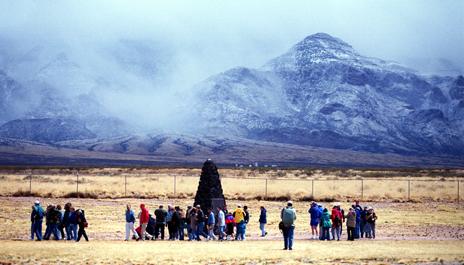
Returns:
(209,193)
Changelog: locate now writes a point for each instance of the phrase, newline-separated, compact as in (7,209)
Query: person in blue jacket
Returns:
(130,221)
(66,224)
(315,216)
(357,230)
(263,221)
(37,215)
(321,209)
(73,223)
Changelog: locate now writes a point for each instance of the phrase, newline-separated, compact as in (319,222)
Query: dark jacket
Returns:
(358,214)
(363,216)
(263,216)
(175,220)
(73,218)
(371,217)
(56,216)
(247,217)
(81,221)
(161,215)
(66,217)
(200,216)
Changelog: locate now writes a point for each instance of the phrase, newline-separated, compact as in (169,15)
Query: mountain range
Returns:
(319,103)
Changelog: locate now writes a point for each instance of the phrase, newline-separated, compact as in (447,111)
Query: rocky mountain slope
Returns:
(324,93)
(321,102)
(188,150)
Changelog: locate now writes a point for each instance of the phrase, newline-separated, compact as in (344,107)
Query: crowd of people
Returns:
(193,223)
(190,224)
(68,223)
(325,225)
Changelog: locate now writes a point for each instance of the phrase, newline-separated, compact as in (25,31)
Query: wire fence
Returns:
(155,186)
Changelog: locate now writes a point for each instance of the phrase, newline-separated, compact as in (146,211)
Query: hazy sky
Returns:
(199,38)
(223,34)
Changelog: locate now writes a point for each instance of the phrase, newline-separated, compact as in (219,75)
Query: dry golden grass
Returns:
(106,217)
(256,252)
(407,233)
(296,184)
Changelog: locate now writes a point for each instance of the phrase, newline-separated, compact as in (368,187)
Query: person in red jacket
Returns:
(144,216)
(230,224)
(337,220)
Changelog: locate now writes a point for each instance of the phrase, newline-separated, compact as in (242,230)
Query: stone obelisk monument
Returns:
(209,193)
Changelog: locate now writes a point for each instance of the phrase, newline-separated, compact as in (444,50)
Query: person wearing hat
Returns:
(37,215)
(370,223)
(288,217)
(239,218)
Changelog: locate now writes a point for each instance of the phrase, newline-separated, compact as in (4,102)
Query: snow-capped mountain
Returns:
(321,101)
(324,93)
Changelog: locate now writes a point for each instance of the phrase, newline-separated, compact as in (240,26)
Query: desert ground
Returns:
(426,229)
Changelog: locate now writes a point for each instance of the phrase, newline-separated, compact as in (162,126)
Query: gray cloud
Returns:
(187,41)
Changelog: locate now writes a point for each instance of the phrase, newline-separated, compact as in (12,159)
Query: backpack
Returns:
(288,215)
(39,213)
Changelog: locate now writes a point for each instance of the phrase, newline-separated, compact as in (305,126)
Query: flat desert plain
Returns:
(407,233)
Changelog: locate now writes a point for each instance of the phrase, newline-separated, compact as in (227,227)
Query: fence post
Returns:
(312,188)
(265,190)
(409,189)
(125,185)
(362,189)
(458,191)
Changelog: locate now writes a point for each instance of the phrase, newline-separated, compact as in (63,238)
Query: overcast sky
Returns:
(223,34)
(199,38)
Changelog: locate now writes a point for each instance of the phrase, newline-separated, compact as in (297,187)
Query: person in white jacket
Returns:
(221,223)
